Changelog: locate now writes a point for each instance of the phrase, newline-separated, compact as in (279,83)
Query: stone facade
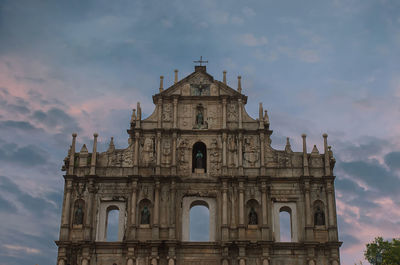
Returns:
(238,176)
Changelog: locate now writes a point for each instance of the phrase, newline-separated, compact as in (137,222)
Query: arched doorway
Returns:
(199,158)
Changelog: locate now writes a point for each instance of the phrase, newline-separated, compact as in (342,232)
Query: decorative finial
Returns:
(161,83)
(288,147)
(111,146)
(315,151)
(239,89)
(95,135)
(176,76)
(224,77)
(83,149)
(133,117)
(266,118)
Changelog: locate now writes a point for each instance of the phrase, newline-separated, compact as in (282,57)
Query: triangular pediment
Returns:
(199,83)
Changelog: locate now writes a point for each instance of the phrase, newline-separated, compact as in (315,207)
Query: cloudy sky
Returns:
(80,66)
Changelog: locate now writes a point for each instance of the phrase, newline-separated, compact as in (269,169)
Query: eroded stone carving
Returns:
(232,149)
(167,112)
(166,152)
(232,112)
(148,151)
(251,151)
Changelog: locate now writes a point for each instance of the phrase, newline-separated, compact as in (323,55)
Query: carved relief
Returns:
(212,116)
(183,163)
(232,151)
(148,151)
(127,157)
(215,157)
(186,90)
(167,112)
(166,152)
(251,151)
(232,112)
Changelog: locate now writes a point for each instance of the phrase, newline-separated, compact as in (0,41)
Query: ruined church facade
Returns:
(199,147)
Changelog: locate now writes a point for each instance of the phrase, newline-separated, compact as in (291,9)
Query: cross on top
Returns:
(200,61)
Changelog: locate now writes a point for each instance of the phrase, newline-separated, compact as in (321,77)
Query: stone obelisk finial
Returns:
(176,76)
(94,155)
(224,76)
(260,116)
(239,89)
(72,155)
(305,158)
(326,156)
(161,83)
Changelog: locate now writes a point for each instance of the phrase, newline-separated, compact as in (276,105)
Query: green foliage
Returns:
(390,251)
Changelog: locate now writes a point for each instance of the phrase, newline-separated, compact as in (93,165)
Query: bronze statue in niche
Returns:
(145,218)
(253,218)
(78,214)
(319,216)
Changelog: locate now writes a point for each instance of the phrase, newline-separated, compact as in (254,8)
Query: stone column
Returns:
(172,211)
(159,112)
(133,210)
(224,152)
(94,156)
(156,213)
(308,212)
(262,156)
(233,209)
(240,113)
(72,155)
(89,211)
(240,153)
(326,156)
(225,235)
(241,211)
(175,112)
(85,261)
(264,209)
(305,156)
(136,154)
(173,169)
(332,230)
(158,167)
(64,231)
(224,113)
(130,261)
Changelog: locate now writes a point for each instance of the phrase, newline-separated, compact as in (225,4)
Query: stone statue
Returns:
(78,218)
(145,220)
(199,159)
(199,119)
(253,219)
(319,217)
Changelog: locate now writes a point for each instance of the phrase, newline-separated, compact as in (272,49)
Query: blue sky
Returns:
(81,66)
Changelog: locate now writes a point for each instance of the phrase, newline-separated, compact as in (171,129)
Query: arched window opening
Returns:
(199,158)
(285,224)
(112,224)
(199,222)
